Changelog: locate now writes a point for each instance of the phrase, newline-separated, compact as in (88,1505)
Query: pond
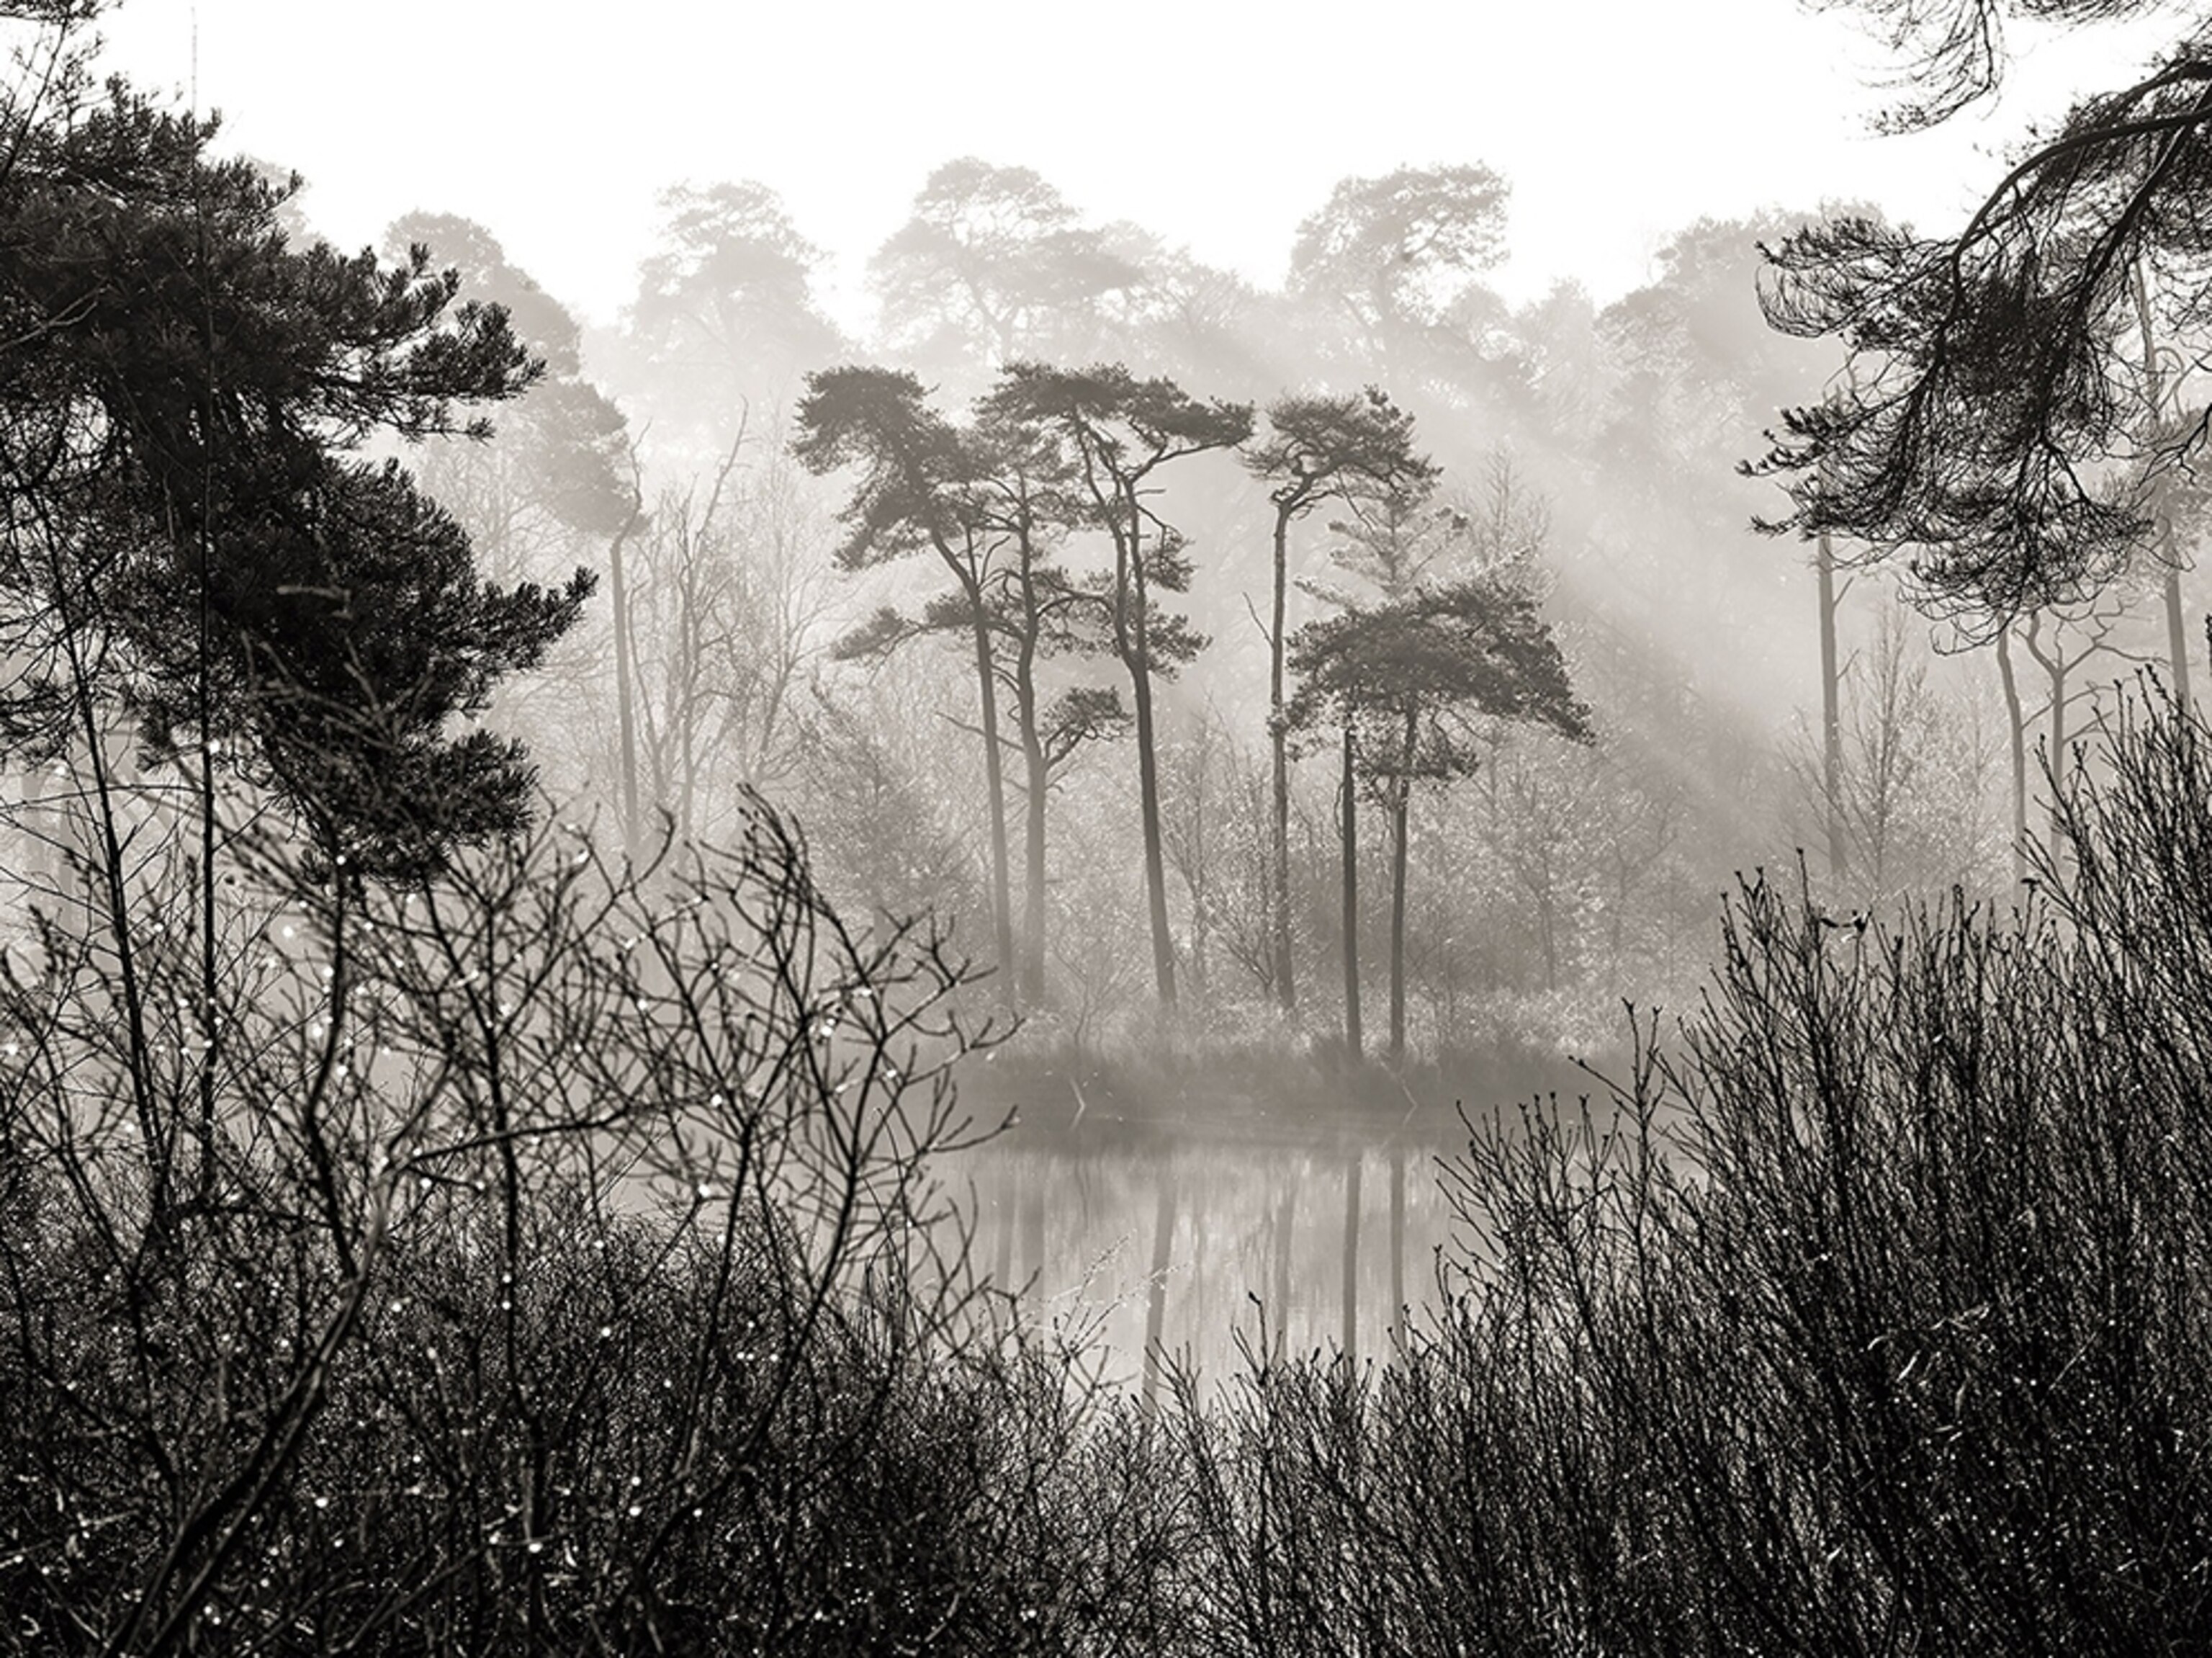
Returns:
(1187,1242)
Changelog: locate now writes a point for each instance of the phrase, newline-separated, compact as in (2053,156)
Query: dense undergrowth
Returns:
(563,1272)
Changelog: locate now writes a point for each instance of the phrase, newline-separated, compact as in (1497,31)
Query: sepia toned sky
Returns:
(1216,124)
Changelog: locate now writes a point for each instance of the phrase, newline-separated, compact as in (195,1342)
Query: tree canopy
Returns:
(1399,248)
(729,290)
(188,538)
(1953,53)
(1320,445)
(2000,428)
(992,263)
(1419,671)
(913,467)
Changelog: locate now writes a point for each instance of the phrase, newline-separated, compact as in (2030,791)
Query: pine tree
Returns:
(192,540)
(1407,681)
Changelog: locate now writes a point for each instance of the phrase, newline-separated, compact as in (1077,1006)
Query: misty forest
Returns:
(1130,962)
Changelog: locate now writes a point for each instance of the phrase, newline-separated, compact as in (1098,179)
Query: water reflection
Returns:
(1182,1244)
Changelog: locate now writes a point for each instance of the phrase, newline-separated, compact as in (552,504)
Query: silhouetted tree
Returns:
(1040,610)
(1954,52)
(189,541)
(1119,431)
(1996,432)
(1409,681)
(1318,448)
(917,491)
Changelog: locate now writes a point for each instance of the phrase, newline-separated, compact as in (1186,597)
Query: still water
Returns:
(1180,1246)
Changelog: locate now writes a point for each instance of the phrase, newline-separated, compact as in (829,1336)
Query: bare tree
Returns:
(726,617)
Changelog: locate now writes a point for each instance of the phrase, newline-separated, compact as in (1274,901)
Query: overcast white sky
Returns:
(1216,124)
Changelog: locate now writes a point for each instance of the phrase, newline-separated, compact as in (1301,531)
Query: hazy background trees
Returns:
(1745,697)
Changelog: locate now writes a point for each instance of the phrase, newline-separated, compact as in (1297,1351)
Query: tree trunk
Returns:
(994,786)
(1036,768)
(1036,772)
(1831,718)
(1352,1041)
(1278,743)
(625,689)
(1148,807)
(1139,663)
(2016,730)
(1033,871)
(2177,626)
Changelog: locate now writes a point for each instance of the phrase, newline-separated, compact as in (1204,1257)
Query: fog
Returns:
(1136,830)
(1552,276)
(1218,129)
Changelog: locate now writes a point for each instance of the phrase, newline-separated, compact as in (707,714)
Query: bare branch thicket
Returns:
(574,1274)
(1863,1313)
